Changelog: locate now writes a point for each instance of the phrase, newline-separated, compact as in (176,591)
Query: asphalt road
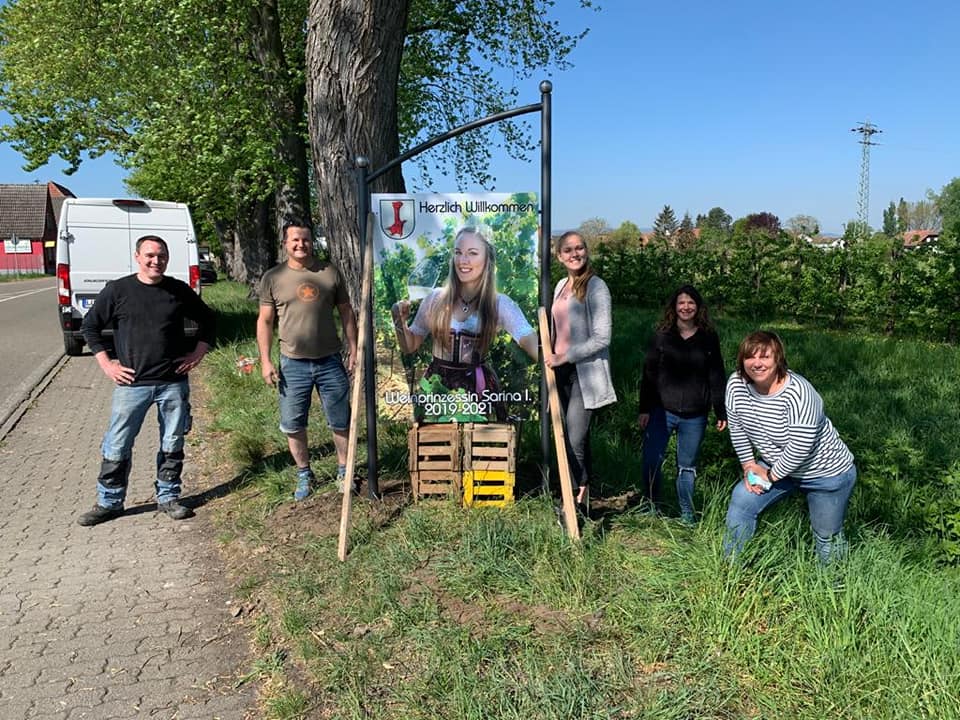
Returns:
(30,339)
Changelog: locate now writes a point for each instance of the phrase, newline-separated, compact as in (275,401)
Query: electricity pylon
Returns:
(867,131)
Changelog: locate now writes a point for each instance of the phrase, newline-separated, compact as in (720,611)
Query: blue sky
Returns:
(745,104)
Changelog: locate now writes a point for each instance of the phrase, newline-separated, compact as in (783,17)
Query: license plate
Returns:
(87,303)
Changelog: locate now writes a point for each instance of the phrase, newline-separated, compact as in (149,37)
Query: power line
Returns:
(866,130)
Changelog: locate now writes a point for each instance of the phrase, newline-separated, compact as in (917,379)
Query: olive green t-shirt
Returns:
(304,301)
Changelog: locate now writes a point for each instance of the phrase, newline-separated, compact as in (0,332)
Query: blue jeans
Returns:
(690,432)
(298,378)
(827,500)
(130,406)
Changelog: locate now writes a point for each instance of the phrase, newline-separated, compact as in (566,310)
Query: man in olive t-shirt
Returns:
(302,293)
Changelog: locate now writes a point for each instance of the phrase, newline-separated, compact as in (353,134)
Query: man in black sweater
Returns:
(153,357)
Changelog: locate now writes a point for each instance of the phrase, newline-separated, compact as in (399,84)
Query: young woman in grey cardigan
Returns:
(580,332)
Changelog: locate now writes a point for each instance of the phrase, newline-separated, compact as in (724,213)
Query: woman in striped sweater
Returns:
(785,444)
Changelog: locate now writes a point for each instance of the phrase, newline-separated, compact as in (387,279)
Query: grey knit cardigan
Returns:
(591,324)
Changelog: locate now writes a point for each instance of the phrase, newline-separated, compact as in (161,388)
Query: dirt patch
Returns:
(319,515)
(541,620)
(615,504)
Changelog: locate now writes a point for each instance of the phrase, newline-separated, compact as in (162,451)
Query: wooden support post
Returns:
(556,420)
(366,290)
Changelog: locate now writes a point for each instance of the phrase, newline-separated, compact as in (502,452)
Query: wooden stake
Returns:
(559,441)
(365,303)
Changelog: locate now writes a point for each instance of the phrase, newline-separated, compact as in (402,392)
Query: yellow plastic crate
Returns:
(488,488)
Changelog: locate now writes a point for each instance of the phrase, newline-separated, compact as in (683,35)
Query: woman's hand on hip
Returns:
(643,420)
(721,425)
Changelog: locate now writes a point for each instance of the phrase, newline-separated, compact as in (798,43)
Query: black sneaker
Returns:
(175,510)
(583,512)
(99,514)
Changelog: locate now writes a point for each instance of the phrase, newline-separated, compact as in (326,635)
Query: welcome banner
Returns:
(456,296)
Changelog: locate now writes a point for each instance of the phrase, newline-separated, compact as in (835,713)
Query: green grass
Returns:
(444,612)
(16,277)
(450,613)
(894,403)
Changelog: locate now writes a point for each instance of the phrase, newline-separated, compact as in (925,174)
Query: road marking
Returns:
(32,292)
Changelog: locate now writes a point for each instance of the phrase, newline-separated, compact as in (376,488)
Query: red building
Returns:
(28,227)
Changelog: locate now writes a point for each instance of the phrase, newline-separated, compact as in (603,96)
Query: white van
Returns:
(96,242)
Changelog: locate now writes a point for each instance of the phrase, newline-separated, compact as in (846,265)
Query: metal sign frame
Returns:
(365,176)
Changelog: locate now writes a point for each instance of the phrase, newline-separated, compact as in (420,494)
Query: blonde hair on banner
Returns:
(452,291)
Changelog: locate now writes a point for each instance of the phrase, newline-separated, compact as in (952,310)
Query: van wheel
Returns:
(72,345)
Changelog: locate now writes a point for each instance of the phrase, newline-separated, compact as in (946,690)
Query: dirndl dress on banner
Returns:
(463,366)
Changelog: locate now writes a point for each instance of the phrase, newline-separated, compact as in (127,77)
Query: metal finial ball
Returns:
(546,86)
(363,161)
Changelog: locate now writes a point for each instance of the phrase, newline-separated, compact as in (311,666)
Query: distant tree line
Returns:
(753,267)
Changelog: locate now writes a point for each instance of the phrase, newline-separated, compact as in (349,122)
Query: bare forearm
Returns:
(264,339)
(408,340)
(350,330)
(531,346)
(102,358)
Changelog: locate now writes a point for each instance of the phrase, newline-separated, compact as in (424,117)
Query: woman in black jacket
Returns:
(683,377)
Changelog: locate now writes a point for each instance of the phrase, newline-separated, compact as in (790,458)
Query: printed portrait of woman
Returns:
(462,318)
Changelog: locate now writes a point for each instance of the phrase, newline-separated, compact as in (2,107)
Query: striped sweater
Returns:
(788,429)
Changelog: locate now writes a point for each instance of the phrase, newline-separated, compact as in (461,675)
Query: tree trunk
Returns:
(248,243)
(286,102)
(292,199)
(354,49)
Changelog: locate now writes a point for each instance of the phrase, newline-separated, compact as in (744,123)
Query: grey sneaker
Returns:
(99,514)
(342,482)
(175,510)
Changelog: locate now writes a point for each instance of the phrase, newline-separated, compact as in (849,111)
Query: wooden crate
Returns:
(435,460)
(489,463)
(490,446)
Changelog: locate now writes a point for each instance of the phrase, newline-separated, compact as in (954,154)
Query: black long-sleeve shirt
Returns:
(684,377)
(148,325)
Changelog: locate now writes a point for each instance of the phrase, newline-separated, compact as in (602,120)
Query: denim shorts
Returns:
(298,378)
